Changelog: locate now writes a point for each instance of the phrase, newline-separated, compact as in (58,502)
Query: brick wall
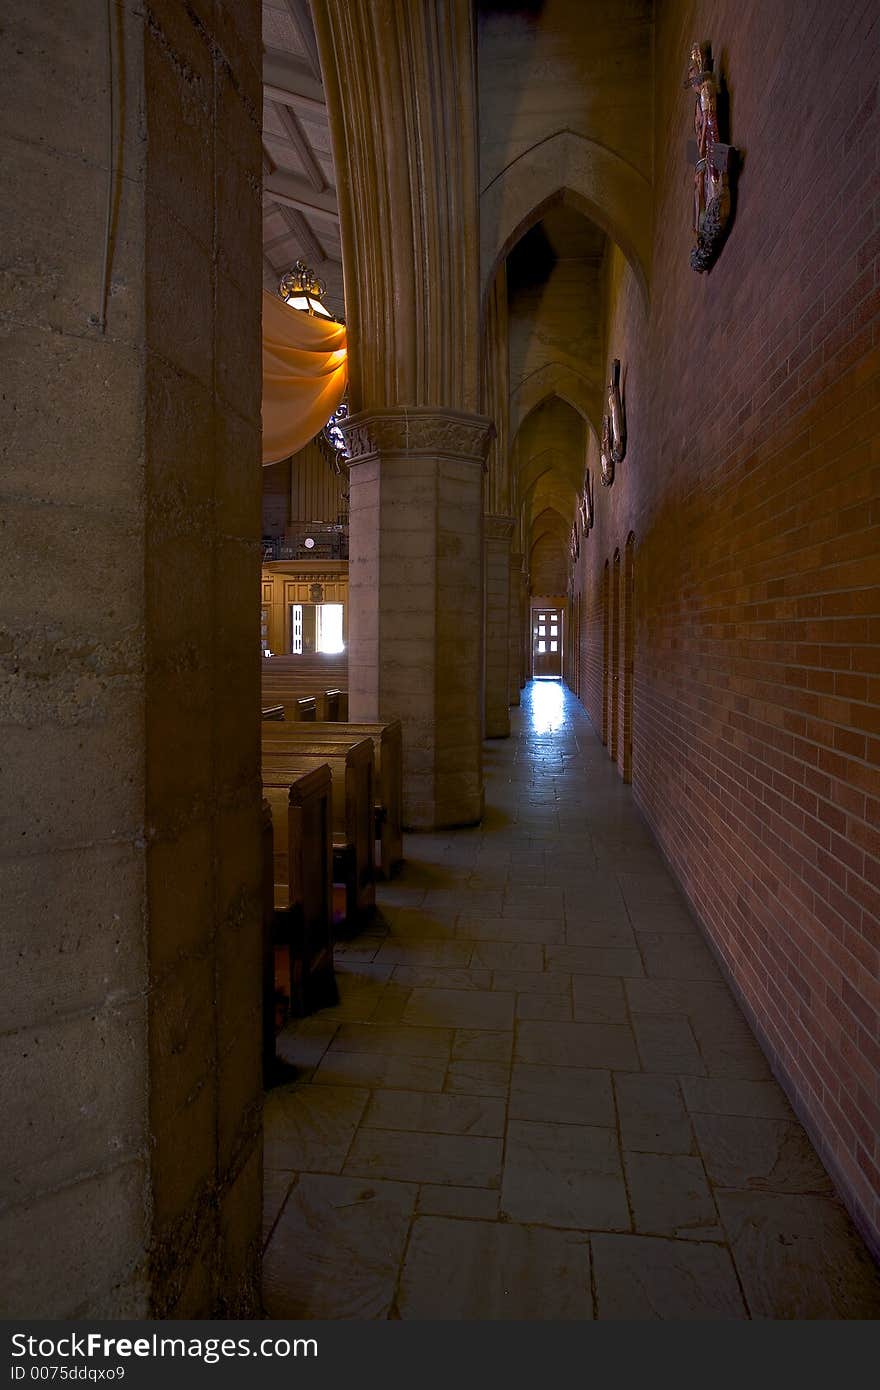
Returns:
(751,487)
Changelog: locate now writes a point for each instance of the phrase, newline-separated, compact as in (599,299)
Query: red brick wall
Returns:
(751,485)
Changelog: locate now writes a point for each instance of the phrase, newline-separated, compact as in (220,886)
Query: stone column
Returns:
(129,628)
(497,531)
(525,626)
(399,82)
(416,601)
(514,669)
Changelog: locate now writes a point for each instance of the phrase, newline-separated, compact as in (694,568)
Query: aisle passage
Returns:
(537,1097)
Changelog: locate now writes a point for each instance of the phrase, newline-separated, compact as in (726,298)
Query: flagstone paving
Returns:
(537,1097)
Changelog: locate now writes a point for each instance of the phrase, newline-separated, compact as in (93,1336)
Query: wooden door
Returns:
(547,642)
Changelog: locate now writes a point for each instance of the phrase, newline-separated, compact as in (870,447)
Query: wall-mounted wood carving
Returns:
(613,427)
(587,504)
(713,162)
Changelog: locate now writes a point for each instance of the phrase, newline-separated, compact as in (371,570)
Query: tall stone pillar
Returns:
(399,81)
(514,667)
(525,626)
(415,599)
(130,815)
(497,531)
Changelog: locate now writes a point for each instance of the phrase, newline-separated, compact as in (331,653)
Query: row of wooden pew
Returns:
(311,687)
(332,815)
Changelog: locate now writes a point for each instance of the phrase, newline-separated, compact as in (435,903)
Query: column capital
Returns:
(417,430)
(498,528)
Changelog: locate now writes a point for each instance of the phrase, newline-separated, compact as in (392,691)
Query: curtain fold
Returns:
(305,372)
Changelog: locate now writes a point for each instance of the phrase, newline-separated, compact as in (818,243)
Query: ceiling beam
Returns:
(299,143)
(293,192)
(302,22)
(303,234)
(290,81)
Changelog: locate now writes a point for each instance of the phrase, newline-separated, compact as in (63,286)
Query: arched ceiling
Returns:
(549,457)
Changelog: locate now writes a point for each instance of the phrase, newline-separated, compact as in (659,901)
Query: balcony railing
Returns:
(321,541)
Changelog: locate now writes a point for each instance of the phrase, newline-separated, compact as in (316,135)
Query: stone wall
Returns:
(131,510)
(751,489)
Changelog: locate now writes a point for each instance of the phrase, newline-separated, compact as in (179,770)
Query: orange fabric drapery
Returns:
(305,372)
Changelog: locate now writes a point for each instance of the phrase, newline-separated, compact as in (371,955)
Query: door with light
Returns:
(547,643)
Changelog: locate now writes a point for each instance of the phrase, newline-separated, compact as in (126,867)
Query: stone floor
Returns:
(537,1097)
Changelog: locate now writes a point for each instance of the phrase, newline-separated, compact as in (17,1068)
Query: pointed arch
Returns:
(555,379)
(567,167)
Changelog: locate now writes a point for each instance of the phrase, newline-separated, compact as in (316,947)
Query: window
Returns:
(553,646)
(542,646)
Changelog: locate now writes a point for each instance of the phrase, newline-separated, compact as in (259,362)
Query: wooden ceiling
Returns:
(300,218)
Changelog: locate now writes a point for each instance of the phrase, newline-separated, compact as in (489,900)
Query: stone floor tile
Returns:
(397,1041)
(478,1078)
(667,1044)
(433,1113)
(764,1155)
(598,999)
(604,1045)
(673,956)
(666,917)
(482,1045)
(481,1270)
(532,982)
(564,1175)
(391,1005)
(381,1070)
(585,960)
(418,924)
(456,954)
(561,1095)
(436,977)
(303,1048)
(799,1257)
(601,935)
(651,888)
(697,999)
(336,1250)
(641,1277)
(309,1128)
(506,955)
(475,1203)
(277,1183)
(670,1196)
(652,1114)
(459,1008)
(551,1008)
(464,1160)
(545,904)
(727,1095)
(730,1051)
(513,929)
(479,902)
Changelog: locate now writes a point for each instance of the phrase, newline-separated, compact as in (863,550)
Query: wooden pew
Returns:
(351,765)
(331,705)
(302,888)
(285,678)
(288,696)
(388,748)
(294,705)
(273,714)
